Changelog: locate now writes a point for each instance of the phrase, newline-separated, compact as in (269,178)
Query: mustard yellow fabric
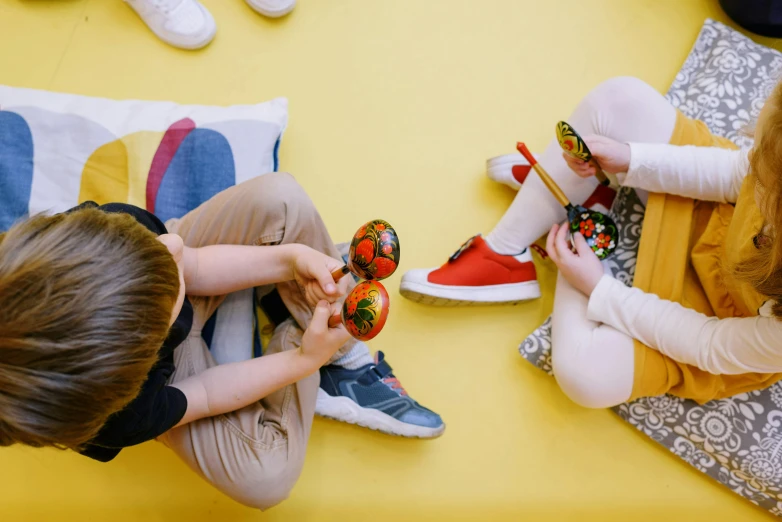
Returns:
(686,249)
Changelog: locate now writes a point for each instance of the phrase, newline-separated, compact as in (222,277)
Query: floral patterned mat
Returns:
(737,441)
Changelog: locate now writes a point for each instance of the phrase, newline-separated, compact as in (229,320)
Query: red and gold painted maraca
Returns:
(598,229)
(365,310)
(374,255)
(574,145)
(374,252)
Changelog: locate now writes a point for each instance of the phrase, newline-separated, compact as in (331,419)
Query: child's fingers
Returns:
(318,294)
(322,274)
(311,298)
(320,317)
(585,170)
(560,242)
(550,248)
(342,286)
(579,166)
(582,247)
(572,163)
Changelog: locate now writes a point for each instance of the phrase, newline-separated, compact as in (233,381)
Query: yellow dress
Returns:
(686,247)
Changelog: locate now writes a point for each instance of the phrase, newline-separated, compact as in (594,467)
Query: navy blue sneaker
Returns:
(373,398)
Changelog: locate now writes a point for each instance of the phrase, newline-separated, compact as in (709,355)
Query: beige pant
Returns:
(253,455)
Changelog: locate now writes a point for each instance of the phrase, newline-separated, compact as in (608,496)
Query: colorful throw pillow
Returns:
(58,150)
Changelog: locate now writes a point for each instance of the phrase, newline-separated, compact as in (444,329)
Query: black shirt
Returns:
(158,407)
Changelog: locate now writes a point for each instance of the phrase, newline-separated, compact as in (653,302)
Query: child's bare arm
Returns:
(222,269)
(232,386)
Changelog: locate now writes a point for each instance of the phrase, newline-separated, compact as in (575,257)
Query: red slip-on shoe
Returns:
(475,274)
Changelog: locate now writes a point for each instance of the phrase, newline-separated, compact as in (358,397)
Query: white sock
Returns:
(357,357)
(499,248)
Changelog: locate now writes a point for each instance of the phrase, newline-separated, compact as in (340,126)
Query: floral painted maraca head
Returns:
(599,230)
(374,251)
(365,310)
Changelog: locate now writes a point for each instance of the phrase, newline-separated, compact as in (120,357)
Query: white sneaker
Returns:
(182,23)
(272,8)
(510,169)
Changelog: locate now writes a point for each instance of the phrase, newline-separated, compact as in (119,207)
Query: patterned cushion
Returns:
(57,150)
(736,441)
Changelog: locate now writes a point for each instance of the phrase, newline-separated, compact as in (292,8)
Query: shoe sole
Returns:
(270,13)
(442,295)
(173,42)
(345,410)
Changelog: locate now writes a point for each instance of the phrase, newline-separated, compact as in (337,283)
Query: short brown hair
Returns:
(85,304)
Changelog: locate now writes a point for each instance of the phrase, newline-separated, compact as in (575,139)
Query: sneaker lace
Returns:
(394,383)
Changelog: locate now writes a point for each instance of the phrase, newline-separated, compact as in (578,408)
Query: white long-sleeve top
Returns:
(718,346)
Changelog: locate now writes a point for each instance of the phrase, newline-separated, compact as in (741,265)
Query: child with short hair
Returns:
(101,314)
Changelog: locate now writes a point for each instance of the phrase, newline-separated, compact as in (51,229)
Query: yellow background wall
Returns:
(394,107)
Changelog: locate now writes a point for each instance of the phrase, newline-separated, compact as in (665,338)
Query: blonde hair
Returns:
(763,269)
(85,303)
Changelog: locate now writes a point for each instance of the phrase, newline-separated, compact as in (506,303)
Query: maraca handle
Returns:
(544,176)
(339,274)
(334,321)
(599,174)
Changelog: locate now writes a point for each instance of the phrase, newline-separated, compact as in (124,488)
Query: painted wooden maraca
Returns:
(364,311)
(598,229)
(374,252)
(572,144)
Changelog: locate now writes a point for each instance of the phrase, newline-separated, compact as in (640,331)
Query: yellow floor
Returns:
(394,107)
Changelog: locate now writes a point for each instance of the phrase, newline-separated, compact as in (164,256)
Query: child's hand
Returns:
(321,342)
(582,269)
(613,156)
(312,270)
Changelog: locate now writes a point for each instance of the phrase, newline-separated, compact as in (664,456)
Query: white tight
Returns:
(593,363)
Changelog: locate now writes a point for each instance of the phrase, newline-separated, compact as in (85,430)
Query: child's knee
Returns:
(280,191)
(620,94)
(268,488)
(264,500)
(581,380)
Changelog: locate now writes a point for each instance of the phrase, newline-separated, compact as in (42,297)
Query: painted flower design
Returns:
(716,427)
(365,310)
(689,452)
(728,61)
(604,241)
(776,395)
(570,142)
(762,468)
(654,413)
(374,251)
(586,228)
